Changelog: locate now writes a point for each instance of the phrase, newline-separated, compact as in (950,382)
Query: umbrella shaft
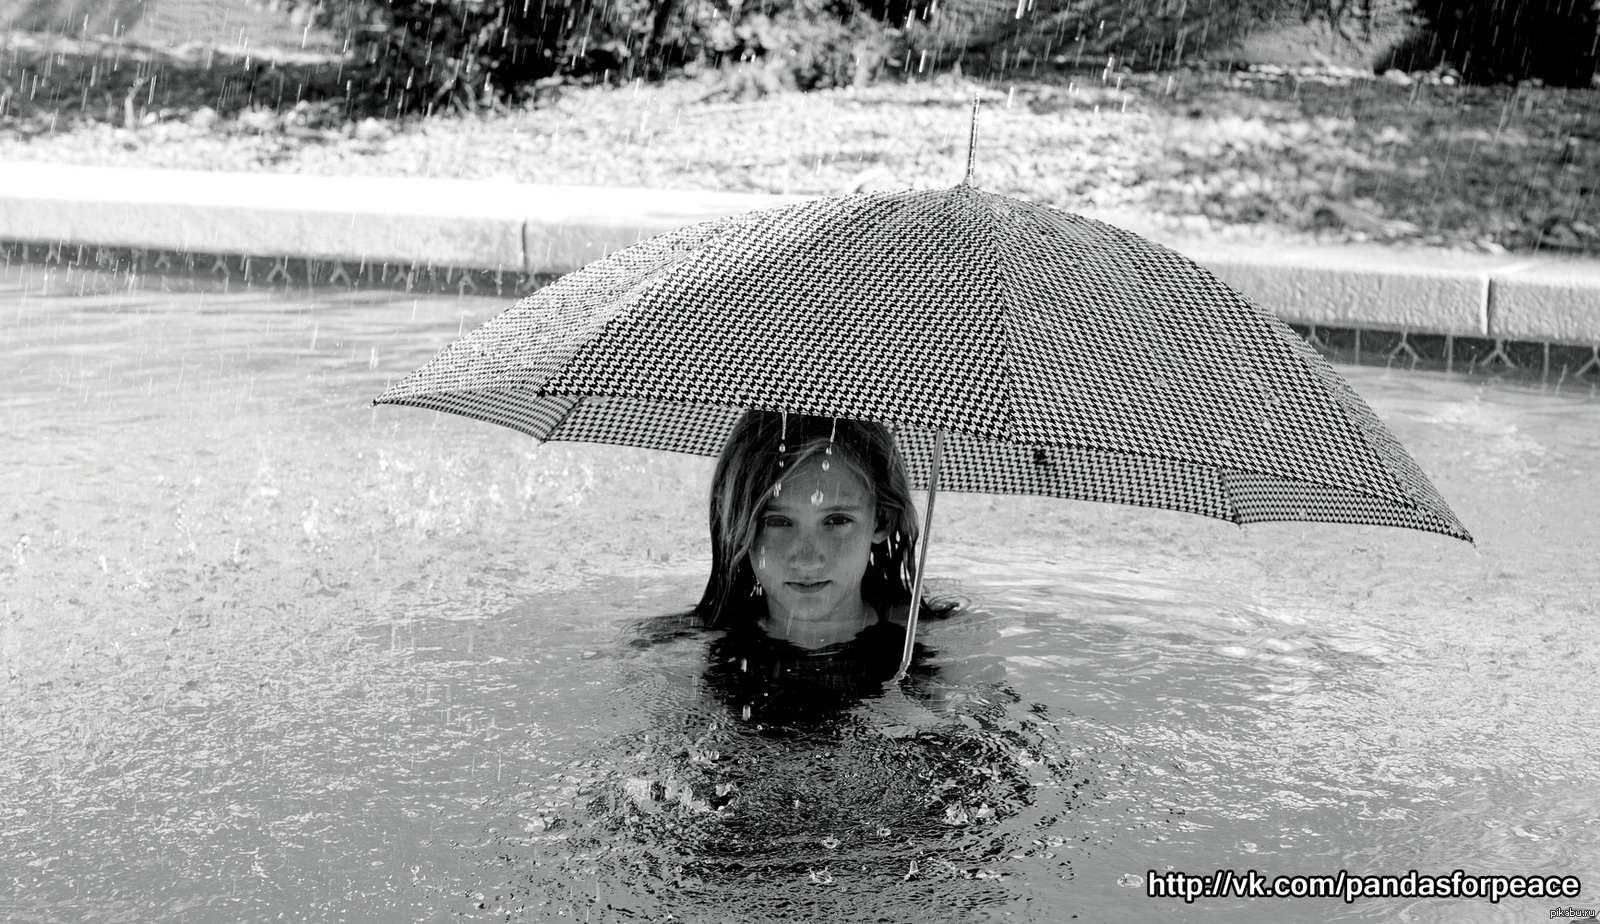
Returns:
(922,559)
(972,141)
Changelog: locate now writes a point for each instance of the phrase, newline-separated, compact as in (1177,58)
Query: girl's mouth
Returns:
(807,588)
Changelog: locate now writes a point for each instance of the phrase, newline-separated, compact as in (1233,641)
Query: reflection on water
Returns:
(271,652)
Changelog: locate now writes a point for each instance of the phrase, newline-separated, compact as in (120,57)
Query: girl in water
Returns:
(812,535)
(801,806)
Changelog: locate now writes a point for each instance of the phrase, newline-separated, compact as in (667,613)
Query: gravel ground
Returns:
(1326,156)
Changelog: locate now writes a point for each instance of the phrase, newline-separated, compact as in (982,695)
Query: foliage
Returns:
(1494,41)
(1139,33)
(470,53)
(466,54)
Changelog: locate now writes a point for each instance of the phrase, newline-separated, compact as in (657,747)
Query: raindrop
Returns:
(817,498)
(777,489)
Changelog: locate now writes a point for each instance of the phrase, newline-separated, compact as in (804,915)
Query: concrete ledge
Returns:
(463,223)
(1363,287)
(1557,300)
(264,214)
(548,230)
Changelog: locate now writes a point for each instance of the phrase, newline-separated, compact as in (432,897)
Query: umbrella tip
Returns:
(972,139)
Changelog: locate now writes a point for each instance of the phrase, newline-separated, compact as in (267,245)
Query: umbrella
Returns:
(1013,348)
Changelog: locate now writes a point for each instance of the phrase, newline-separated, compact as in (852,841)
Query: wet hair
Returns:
(763,447)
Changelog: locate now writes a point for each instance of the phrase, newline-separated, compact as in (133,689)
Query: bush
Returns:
(426,55)
(1136,33)
(1495,41)
(786,44)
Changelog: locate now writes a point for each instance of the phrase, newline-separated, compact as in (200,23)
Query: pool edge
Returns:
(504,238)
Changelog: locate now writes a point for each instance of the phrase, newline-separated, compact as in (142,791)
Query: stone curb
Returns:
(548,230)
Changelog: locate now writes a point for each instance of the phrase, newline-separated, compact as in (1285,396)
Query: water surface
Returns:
(270,652)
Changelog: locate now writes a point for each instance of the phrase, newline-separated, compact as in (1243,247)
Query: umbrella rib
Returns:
(1228,505)
(1400,494)
(1400,499)
(566,415)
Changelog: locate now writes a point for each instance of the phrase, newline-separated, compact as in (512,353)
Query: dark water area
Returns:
(271,653)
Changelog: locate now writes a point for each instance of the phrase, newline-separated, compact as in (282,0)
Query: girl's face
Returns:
(812,543)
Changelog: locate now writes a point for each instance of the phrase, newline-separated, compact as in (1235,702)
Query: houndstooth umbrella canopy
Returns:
(1061,356)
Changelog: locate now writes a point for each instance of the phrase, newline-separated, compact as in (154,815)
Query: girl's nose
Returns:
(807,551)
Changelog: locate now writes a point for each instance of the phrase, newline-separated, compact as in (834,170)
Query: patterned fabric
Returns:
(1060,355)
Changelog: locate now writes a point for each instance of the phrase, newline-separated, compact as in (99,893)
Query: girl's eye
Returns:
(772,522)
(839,519)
